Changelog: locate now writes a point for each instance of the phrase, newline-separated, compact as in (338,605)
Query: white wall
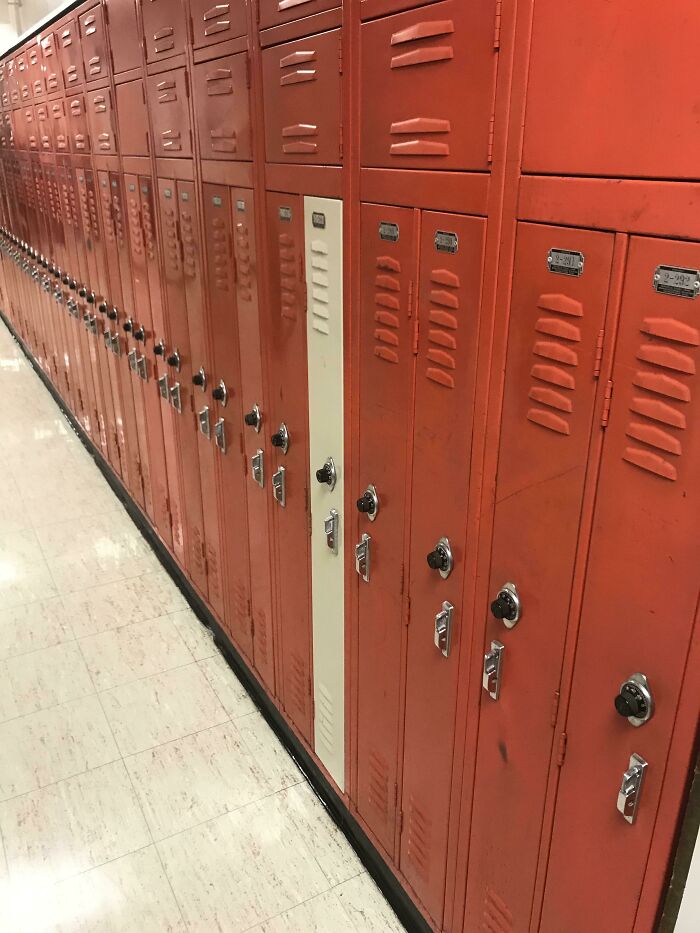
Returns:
(689,916)
(30,13)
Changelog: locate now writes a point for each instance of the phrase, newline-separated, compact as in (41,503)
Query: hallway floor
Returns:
(140,790)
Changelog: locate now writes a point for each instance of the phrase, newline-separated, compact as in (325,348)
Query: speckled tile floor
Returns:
(139,788)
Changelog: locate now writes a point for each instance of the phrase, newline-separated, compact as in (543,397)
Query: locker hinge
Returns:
(340,55)
(598,354)
(555,707)
(400,822)
(561,753)
(607,401)
(492,130)
(416,334)
(497,27)
(247,70)
(205,562)
(403,578)
(340,141)
(251,619)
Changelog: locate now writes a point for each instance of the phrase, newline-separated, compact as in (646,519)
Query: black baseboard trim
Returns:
(403,906)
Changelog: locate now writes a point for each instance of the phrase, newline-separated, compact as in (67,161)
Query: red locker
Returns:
(31,129)
(223,108)
(389,237)
(164,28)
(125,42)
(556,332)
(301,88)
(101,121)
(36,74)
(11,86)
(214,21)
(24,83)
(93,43)
(170,116)
(451,256)
(59,125)
(604,133)
(44,126)
(640,600)
(50,65)
(70,55)
(77,124)
(132,118)
(433,65)
(276,12)
(287,477)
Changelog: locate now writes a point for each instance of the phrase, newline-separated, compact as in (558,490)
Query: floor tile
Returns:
(227,686)
(112,605)
(133,651)
(366,906)
(108,535)
(195,779)
(241,868)
(321,914)
(161,708)
(273,760)
(33,626)
(198,638)
(20,584)
(54,744)
(69,827)
(42,679)
(74,572)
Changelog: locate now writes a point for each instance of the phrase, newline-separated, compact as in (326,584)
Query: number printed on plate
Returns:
(565,262)
(681,283)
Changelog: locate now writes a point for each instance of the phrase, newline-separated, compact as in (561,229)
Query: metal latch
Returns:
(331,528)
(363,556)
(493,664)
(631,788)
(220,435)
(257,462)
(116,345)
(175,398)
(131,356)
(163,388)
(203,419)
(142,368)
(443,628)
(278,487)
(107,337)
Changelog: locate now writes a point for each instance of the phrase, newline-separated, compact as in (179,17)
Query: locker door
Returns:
(59,122)
(640,600)
(214,21)
(255,436)
(289,472)
(31,129)
(389,237)
(556,326)
(43,121)
(164,28)
(275,12)
(132,118)
(181,386)
(223,108)
(323,236)
(225,417)
(50,65)
(100,115)
(301,87)
(125,42)
(23,78)
(93,42)
(35,71)
(170,115)
(433,64)
(71,56)
(77,124)
(201,398)
(451,257)
(12,86)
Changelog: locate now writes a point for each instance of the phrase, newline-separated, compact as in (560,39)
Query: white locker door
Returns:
(323,234)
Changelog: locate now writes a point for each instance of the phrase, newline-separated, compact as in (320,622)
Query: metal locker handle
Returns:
(220,435)
(204,424)
(331,528)
(631,788)
(443,628)
(258,467)
(363,556)
(493,668)
(279,487)
(163,387)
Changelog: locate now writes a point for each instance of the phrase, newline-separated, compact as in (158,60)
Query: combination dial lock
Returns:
(506,606)
(326,476)
(441,558)
(368,503)
(634,701)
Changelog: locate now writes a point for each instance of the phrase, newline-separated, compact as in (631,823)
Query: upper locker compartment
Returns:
(436,69)
(215,20)
(164,28)
(120,20)
(93,42)
(276,12)
(50,65)
(36,74)
(223,108)
(71,57)
(132,118)
(582,86)
(24,81)
(301,82)
(170,116)
(100,114)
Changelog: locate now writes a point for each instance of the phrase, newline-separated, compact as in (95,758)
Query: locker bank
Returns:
(381,320)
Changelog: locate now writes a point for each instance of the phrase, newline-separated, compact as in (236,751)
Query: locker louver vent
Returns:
(240,600)
(288,276)
(164,40)
(319,287)
(418,841)
(216,19)
(297,136)
(219,82)
(298,686)
(496,918)
(378,784)
(189,250)
(555,363)
(386,315)
(444,302)
(426,52)
(245,282)
(196,549)
(220,255)
(663,354)
(325,720)
(261,647)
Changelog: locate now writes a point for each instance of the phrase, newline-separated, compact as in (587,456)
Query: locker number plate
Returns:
(681,283)
(565,262)
(389,232)
(446,242)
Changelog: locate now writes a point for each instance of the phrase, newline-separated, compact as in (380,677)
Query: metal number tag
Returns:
(565,262)
(680,283)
